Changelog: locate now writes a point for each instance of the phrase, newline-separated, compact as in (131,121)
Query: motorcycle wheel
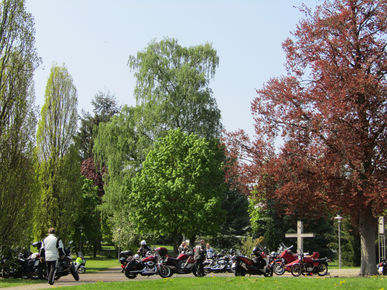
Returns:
(239,271)
(197,271)
(322,269)
(74,273)
(269,272)
(279,269)
(164,271)
(81,269)
(130,275)
(40,273)
(296,270)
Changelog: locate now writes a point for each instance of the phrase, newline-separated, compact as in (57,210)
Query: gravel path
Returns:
(115,275)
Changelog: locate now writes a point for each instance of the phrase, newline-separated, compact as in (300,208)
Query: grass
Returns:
(94,265)
(243,283)
(335,265)
(4,283)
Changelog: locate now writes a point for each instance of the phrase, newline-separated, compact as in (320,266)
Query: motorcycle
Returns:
(30,264)
(66,266)
(183,264)
(243,265)
(147,266)
(382,267)
(80,263)
(220,263)
(281,262)
(10,266)
(309,265)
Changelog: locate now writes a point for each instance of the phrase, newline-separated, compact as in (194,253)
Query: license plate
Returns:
(36,263)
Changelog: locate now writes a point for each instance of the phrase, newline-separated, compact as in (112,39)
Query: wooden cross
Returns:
(300,235)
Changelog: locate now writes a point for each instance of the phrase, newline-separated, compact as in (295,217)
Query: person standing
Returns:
(199,256)
(209,251)
(51,250)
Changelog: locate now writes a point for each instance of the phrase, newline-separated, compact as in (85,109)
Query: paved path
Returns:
(115,275)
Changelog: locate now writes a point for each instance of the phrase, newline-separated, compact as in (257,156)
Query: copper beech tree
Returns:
(330,110)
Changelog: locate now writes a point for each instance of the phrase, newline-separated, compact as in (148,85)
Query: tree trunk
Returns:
(367,230)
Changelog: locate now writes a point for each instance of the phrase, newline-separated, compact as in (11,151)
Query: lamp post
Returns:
(339,218)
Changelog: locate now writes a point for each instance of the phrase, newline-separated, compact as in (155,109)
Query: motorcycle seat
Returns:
(172,259)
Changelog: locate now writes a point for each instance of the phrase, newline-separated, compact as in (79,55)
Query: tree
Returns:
(330,110)
(172,89)
(172,92)
(104,107)
(18,60)
(180,189)
(58,167)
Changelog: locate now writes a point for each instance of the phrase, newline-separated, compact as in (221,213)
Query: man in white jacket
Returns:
(51,250)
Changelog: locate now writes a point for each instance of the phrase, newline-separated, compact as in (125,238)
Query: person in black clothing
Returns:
(144,249)
(199,256)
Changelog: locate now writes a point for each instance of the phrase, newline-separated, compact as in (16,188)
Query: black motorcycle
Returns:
(30,264)
(66,266)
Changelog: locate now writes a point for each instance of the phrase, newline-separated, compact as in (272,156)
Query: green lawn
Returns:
(16,282)
(244,283)
(98,264)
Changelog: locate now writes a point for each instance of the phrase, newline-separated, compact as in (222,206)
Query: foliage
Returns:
(172,89)
(88,223)
(236,222)
(330,111)
(350,243)
(58,161)
(104,107)
(248,243)
(18,60)
(180,189)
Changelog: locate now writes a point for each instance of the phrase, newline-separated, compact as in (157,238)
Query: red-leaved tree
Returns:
(330,110)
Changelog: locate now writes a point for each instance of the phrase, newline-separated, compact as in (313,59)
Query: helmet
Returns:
(143,243)
(256,251)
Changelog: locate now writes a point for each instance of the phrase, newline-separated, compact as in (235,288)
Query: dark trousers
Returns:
(51,271)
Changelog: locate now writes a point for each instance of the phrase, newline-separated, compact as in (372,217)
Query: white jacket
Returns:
(51,246)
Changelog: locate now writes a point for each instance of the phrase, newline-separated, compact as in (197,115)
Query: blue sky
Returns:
(94,39)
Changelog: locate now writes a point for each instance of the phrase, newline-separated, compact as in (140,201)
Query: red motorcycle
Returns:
(281,263)
(183,264)
(258,266)
(133,265)
(309,265)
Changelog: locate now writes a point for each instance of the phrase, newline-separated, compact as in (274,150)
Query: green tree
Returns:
(18,60)
(58,166)
(180,189)
(171,92)
(118,148)
(172,89)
